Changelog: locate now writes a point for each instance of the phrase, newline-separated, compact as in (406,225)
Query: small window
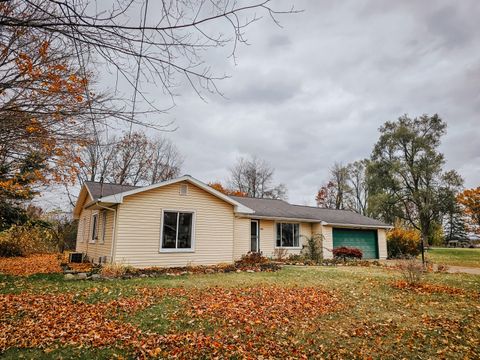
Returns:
(177,231)
(104,225)
(84,231)
(81,230)
(183,189)
(94,227)
(288,235)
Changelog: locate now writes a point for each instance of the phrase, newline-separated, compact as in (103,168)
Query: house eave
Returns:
(280,218)
(358,226)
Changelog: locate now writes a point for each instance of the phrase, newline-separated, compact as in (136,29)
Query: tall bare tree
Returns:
(143,42)
(336,192)
(165,160)
(357,179)
(133,159)
(254,177)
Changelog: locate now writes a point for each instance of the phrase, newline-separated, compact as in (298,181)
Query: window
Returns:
(288,235)
(104,225)
(84,231)
(177,231)
(81,229)
(94,227)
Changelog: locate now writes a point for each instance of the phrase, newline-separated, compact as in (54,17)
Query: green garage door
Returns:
(365,240)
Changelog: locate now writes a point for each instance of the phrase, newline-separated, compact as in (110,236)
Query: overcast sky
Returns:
(316,91)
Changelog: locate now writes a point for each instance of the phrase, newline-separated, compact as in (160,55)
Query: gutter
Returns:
(277,218)
(387,227)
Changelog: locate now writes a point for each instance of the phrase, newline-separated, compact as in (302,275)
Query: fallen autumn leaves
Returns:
(29,265)
(243,317)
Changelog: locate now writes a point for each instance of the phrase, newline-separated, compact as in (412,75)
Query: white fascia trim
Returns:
(75,209)
(118,198)
(296,220)
(358,226)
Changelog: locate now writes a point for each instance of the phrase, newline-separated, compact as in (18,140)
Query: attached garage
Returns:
(365,240)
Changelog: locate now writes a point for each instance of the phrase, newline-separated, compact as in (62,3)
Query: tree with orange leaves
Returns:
(470,200)
(46,104)
(224,190)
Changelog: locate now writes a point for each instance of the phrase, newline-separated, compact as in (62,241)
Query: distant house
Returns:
(186,222)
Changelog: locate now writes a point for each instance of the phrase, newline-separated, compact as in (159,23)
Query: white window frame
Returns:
(93,240)
(104,226)
(192,240)
(299,247)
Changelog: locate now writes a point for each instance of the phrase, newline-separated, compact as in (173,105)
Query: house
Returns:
(183,222)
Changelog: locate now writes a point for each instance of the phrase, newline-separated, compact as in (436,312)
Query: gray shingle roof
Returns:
(263,207)
(99,190)
(282,209)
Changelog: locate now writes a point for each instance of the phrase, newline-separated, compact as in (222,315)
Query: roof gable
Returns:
(98,190)
(117,197)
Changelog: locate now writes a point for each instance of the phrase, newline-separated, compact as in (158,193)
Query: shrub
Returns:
(295,257)
(9,248)
(403,242)
(115,270)
(442,268)
(23,240)
(412,270)
(313,248)
(345,253)
(251,258)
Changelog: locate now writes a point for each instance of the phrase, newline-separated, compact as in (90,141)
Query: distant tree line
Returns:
(403,181)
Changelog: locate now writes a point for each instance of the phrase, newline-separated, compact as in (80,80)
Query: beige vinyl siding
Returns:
(382,243)
(327,242)
(82,229)
(98,248)
(83,224)
(241,237)
(268,238)
(139,222)
(327,238)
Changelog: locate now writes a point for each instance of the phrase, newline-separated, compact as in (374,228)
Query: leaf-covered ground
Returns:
(315,312)
(29,265)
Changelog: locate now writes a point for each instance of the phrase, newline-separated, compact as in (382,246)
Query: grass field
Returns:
(455,256)
(297,312)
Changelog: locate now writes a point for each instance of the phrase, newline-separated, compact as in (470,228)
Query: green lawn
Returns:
(329,312)
(455,256)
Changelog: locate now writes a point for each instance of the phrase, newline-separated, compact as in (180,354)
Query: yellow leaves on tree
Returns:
(403,242)
(470,200)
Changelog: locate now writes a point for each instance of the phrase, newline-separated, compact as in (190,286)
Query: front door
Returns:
(254,236)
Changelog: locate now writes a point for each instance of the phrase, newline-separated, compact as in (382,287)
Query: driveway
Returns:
(462,269)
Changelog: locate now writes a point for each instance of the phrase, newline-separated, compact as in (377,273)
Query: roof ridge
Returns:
(324,208)
(257,198)
(109,183)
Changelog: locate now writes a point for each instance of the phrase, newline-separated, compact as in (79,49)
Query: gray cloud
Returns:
(317,90)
